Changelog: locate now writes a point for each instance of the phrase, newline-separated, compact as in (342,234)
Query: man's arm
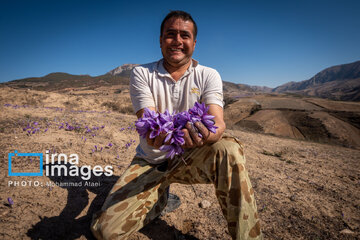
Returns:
(218,112)
(213,95)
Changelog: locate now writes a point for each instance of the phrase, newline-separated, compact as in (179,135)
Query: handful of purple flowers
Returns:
(172,124)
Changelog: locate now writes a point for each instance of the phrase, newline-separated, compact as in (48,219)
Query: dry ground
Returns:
(304,190)
(312,119)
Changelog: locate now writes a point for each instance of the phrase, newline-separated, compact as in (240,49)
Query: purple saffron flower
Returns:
(155,124)
(178,137)
(142,127)
(150,114)
(110,145)
(172,150)
(10,201)
(181,119)
(200,111)
(148,122)
(156,128)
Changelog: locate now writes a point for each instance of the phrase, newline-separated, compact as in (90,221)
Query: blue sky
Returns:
(253,42)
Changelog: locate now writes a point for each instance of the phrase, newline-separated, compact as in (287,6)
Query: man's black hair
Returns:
(179,14)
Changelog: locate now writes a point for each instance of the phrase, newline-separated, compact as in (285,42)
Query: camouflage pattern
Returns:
(139,195)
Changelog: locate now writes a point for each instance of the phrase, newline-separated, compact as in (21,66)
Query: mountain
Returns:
(230,87)
(236,87)
(117,76)
(341,82)
(263,89)
(59,81)
(123,70)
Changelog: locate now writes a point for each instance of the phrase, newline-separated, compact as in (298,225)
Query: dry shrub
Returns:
(34,98)
(126,109)
(31,101)
(71,104)
(119,107)
(286,154)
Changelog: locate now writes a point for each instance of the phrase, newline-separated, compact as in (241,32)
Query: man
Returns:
(175,83)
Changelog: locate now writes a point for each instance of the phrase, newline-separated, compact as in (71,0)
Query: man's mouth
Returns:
(176,50)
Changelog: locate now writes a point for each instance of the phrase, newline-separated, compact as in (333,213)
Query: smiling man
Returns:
(175,83)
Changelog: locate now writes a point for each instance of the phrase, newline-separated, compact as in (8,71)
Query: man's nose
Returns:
(178,38)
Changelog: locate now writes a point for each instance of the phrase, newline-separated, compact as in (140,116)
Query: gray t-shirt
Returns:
(152,86)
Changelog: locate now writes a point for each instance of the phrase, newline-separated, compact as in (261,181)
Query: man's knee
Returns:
(109,226)
(98,225)
(230,149)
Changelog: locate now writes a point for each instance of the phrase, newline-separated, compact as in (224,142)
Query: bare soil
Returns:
(304,189)
(317,120)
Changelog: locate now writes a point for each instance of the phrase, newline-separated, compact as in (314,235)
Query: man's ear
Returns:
(194,43)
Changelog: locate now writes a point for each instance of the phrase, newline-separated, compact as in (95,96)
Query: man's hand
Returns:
(192,135)
(191,131)
(156,142)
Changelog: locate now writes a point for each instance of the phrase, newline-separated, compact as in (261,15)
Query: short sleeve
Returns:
(213,91)
(141,96)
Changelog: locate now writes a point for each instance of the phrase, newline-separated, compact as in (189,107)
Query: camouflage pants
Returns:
(139,195)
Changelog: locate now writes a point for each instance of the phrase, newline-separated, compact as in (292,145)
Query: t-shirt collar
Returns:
(160,69)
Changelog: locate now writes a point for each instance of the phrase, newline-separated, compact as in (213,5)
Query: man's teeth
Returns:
(175,49)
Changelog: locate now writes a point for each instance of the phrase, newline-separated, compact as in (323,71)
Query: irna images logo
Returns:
(15,154)
(57,165)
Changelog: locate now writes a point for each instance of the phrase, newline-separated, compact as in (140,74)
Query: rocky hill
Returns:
(123,70)
(340,82)
(64,81)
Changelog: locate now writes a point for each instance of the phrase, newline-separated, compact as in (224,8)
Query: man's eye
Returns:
(185,36)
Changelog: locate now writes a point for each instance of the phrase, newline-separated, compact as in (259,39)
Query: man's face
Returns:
(177,42)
